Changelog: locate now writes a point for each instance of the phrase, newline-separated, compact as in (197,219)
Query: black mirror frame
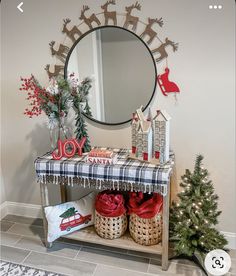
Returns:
(154,63)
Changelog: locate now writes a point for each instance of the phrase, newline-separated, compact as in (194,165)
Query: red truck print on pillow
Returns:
(72,218)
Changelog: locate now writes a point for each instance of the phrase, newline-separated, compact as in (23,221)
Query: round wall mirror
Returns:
(122,70)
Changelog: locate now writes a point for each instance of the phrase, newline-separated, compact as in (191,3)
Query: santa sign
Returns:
(101,156)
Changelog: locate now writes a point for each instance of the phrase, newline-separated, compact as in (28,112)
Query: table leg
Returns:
(45,202)
(63,190)
(165,230)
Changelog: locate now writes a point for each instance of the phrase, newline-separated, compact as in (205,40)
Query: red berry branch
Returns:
(37,96)
(42,100)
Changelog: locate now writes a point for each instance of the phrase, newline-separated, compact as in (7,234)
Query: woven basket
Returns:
(146,231)
(110,227)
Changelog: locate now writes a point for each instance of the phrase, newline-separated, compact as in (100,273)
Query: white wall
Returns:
(2,189)
(203,118)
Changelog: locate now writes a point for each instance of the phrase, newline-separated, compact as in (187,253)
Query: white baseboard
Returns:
(20,209)
(3,209)
(34,211)
(231,238)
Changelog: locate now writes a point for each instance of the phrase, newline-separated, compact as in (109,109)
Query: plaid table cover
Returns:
(127,174)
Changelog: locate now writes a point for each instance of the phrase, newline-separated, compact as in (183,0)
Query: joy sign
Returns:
(68,148)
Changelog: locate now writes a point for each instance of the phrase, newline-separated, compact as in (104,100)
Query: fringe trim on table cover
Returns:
(103,185)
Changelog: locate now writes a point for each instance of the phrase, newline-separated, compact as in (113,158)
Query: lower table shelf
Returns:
(125,242)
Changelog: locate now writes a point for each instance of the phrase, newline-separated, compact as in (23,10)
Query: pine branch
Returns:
(198,163)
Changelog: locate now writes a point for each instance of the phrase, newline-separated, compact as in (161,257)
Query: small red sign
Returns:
(63,146)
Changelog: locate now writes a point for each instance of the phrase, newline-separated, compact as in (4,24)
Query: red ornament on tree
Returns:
(166,85)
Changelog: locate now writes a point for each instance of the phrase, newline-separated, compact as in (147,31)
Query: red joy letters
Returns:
(73,144)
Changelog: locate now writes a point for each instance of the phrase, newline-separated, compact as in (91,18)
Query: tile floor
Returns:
(21,242)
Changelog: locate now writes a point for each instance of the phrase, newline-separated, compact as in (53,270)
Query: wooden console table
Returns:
(126,175)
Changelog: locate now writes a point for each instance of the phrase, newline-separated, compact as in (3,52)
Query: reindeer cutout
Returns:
(73,32)
(130,19)
(57,70)
(149,31)
(109,15)
(62,51)
(162,51)
(89,20)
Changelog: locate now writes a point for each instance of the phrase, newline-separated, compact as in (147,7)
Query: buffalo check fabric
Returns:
(126,174)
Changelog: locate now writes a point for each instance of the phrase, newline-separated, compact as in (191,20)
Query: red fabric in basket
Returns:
(145,206)
(110,205)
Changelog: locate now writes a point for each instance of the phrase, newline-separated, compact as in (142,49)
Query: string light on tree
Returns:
(198,206)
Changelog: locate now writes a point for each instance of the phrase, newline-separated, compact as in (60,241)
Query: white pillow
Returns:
(68,217)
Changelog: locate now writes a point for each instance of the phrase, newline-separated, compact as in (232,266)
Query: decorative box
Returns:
(99,156)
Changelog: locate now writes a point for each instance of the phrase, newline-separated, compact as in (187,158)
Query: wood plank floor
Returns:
(21,242)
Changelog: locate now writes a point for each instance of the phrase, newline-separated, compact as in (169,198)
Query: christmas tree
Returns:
(192,219)
(81,129)
(83,90)
(68,213)
(80,95)
(87,109)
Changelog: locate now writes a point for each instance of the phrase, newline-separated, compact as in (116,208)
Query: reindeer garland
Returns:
(149,31)
(161,50)
(74,33)
(130,19)
(109,15)
(58,70)
(89,20)
(62,51)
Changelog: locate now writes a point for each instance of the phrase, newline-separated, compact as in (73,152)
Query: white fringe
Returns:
(99,184)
